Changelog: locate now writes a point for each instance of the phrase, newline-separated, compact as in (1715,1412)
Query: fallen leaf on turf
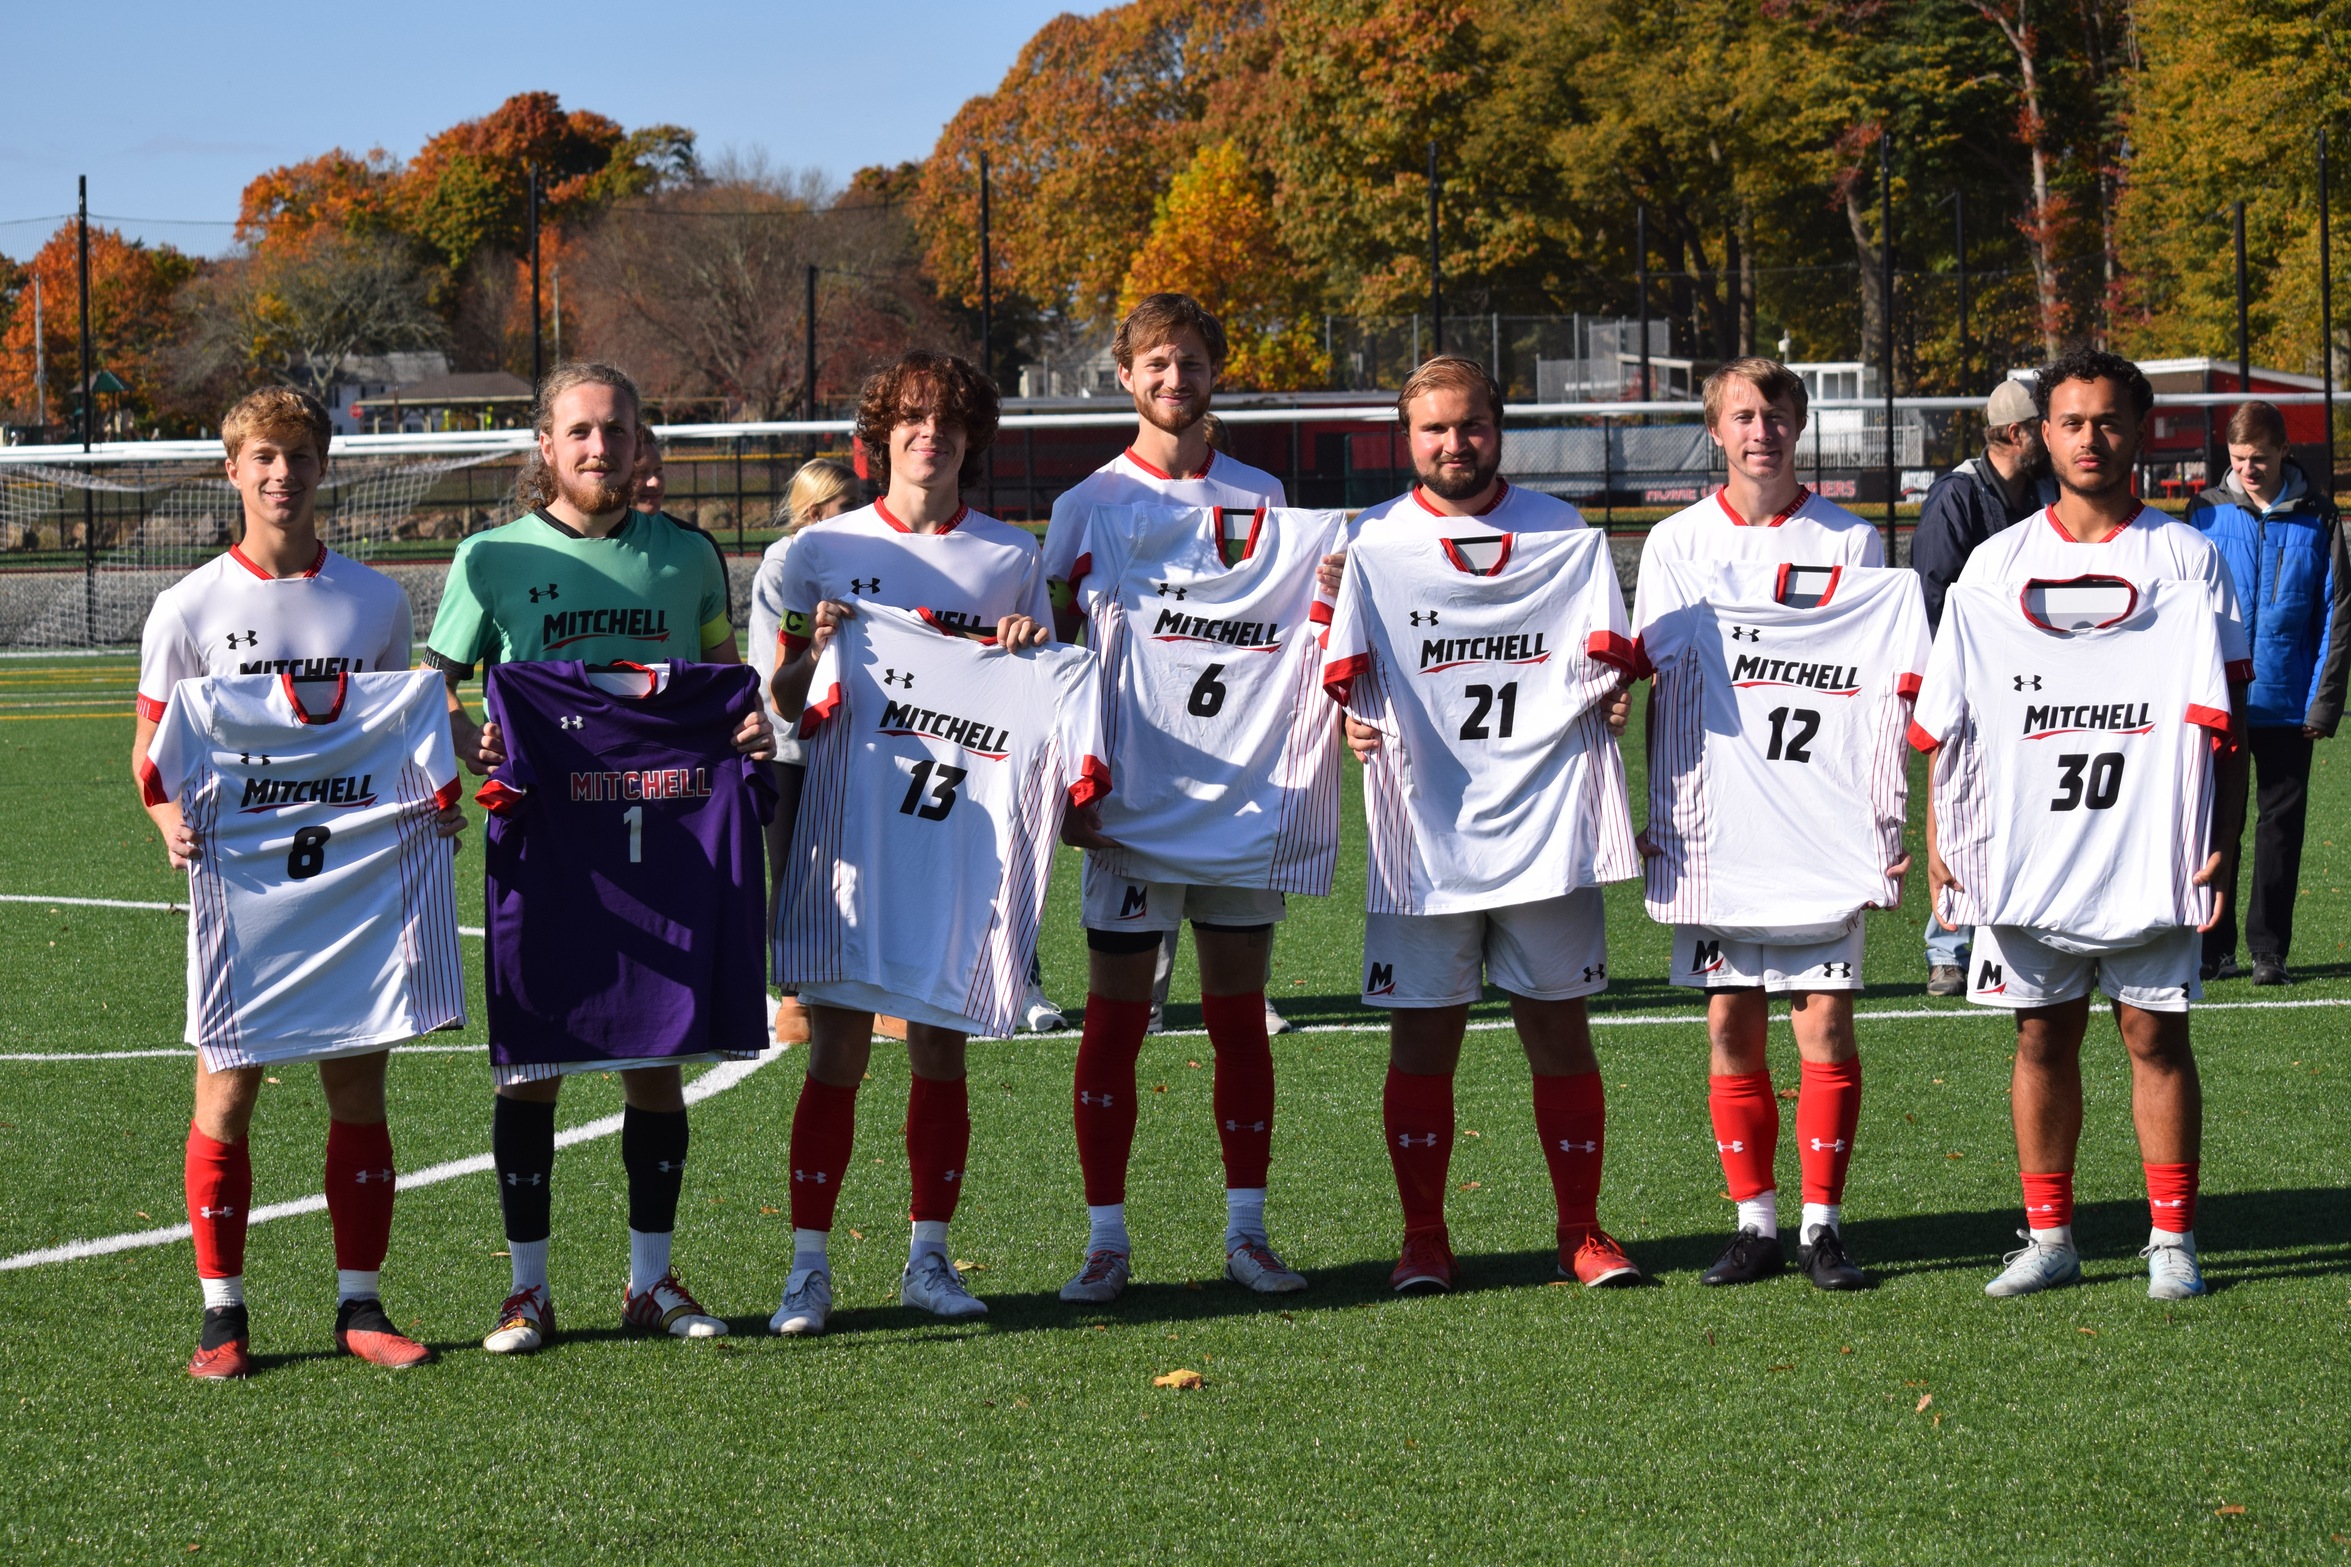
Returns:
(269,1079)
(1953,1156)
(1020,1403)
(1912,1119)
(1159,1088)
(1471,1186)
(141,1212)
(2092,1332)
(1787,1093)
(2234,1511)
(1779,1368)
(1171,1338)
(1194,1065)
(857,1235)
(1914,1384)
(502,1254)
(962,1266)
(1924,1399)
(1845,1349)
(765,1209)
(1190,1379)
(1939,1079)
(1466,1132)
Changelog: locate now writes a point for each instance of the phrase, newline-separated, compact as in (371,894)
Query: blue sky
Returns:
(171,108)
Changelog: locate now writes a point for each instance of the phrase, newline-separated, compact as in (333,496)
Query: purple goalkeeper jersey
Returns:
(626,897)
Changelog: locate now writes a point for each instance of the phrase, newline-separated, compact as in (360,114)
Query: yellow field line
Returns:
(39,718)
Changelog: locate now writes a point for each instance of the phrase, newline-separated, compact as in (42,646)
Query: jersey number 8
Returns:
(309,855)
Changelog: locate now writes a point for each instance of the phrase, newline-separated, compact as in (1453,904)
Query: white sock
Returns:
(1244,1215)
(648,1259)
(2057,1236)
(810,1250)
(529,1260)
(1761,1213)
(223,1292)
(1818,1215)
(356,1284)
(1106,1228)
(2185,1238)
(930,1235)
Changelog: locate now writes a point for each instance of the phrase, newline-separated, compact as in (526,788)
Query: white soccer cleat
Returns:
(2034,1267)
(931,1284)
(1275,1023)
(807,1307)
(1253,1265)
(2172,1271)
(1040,1016)
(666,1307)
(525,1322)
(1102,1280)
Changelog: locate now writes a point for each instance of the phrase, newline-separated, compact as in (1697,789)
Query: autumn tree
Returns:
(133,321)
(302,310)
(1214,238)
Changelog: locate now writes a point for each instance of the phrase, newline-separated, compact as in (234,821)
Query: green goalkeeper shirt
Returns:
(535,589)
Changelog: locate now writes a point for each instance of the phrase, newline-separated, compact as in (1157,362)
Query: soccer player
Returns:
(926,423)
(1755,410)
(2094,408)
(279,601)
(583,576)
(1169,351)
(1549,955)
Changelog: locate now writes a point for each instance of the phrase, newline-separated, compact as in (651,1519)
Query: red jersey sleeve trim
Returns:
(1906,687)
(151,790)
(813,716)
(1320,614)
(1093,782)
(446,796)
(1612,648)
(1920,740)
(497,796)
(2208,718)
(2239,672)
(150,708)
(1079,569)
(1339,679)
(1640,668)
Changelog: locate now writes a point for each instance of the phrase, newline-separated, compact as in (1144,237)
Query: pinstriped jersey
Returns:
(1811,532)
(322,914)
(1485,664)
(2073,726)
(1778,776)
(1214,717)
(939,764)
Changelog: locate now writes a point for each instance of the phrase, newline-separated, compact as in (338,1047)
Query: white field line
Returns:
(160,908)
(717,1080)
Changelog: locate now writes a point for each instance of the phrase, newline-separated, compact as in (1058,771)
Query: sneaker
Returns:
(1823,1259)
(1598,1262)
(1749,1257)
(1275,1023)
(1040,1016)
(224,1346)
(667,1308)
(931,1283)
(1427,1263)
(2271,971)
(1946,979)
(1102,1280)
(362,1329)
(2172,1273)
(525,1322)
(2035,1267)
(808,1304)
(1252,1264)
(2225,968)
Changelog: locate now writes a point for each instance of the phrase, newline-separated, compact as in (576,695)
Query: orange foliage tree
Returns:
(133,322)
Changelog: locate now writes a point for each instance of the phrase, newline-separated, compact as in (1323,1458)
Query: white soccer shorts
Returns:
(1117,903)
(2011,967)
(1705,959)
(1553,950)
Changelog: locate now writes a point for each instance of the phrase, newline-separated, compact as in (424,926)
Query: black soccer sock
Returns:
(522,1149)
(653,1150)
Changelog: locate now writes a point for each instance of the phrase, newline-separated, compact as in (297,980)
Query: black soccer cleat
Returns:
(2271,971)
(1824,1261)
(1749,1257)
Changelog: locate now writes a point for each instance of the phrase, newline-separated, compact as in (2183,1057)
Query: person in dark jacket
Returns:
(2284,545)
(1965,507)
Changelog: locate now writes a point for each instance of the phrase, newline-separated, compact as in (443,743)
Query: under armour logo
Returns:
(571,721)
(1567,1145)
(1088,1098)
(250,637)
(1593,971)
(548,591)
(1245,1126)
(865,584)
(1838,1146)
(1836,971)
(1733,1146)
(1746,634)
(2026,682)
(818,1176)
(891,677)
(1420,617)
(248,759)
(216,1213)
(362,1177)
(1407,1140)
(1169,590)
(669,1166)
(517,1178)
(950,1176)
(2167,1202)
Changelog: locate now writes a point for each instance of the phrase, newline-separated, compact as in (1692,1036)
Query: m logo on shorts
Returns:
(1991,979)
(1136,902)
(1706,958)
(1381,981)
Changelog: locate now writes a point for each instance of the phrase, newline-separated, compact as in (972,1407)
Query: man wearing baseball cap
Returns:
(1967,506)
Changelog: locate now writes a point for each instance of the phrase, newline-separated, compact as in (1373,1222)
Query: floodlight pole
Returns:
(538,345)
(40,364)
(2326,310)
(1436,266)
(89,416)
(987,318)
(1959,246)
(808,351)
(1641,287)
(2244,343)
(1886,324)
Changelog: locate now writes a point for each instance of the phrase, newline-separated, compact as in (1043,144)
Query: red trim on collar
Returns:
(1722,498)
(237,554)
(1248,545)
(342,689)
(1779,584)
(882,510)
(1461,562)
(1172,478)
(2051,513)
(1501,491)
(2024,601)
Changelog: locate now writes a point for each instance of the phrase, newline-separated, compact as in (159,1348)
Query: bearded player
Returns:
(583,576)
(1755,410)
(279,601)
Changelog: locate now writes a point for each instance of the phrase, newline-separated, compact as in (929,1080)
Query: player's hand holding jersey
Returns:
(625,871)
(1213,714)
(939,765)
(323,920)
(1778,776)
(1486,664)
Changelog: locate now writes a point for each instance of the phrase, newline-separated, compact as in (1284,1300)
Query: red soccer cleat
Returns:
(1600,1263)
(362,1329)
(224,1350)
(1427,1263)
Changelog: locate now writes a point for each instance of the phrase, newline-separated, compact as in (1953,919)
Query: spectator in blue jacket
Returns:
(2284,545)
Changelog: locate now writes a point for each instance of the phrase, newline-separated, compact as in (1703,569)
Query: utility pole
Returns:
(41,363)
(2326,310)
(987,283)
(1886,323)
(808,353)
(1436,266)
(89,415)
(1641,287)
(2244,344)
(555,308)
(538,348)
(1959,245)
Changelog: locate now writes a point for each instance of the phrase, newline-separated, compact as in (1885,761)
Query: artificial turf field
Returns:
(1515,1418)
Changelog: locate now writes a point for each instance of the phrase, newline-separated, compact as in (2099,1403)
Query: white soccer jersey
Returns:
(1213,710)
(229,617)
(938,768)
(1778,776)
(971,573)
(1512,511)
(322,915)
(1497,781)
(767,623)
(2151,547)
(1127,480)
(1811,532)
(2073,769)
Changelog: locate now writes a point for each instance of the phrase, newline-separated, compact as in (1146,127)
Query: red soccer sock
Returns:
(1244,1086)
(824,1129)
(2048,1200)
(1828,1108)
(938,1142)
(1746,1131)
(1417,1110)
(359,1193)
(2171,1196)
(1102,1101)
(220,1193)
(1571,1117)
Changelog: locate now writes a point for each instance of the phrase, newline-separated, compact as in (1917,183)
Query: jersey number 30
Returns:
(942,794)
(2105,781)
